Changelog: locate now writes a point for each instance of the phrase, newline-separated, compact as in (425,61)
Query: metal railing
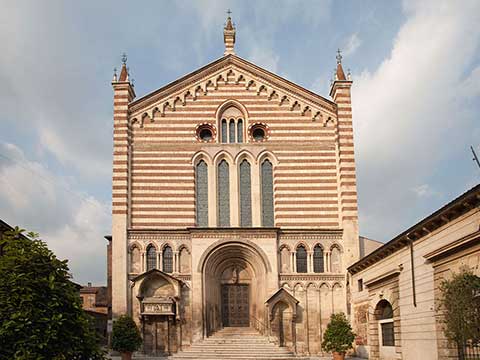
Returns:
(469,351)
(258,325)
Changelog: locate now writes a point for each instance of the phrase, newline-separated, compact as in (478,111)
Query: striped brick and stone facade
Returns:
(232,179)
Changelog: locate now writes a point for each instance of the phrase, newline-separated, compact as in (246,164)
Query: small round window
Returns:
(259,132)
(205,133)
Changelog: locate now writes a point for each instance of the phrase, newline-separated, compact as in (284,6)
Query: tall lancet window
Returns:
(232,131)
(240,131)
(318,259)
(301,259)
(167,258)
(151,258)
(245,194)
(223,194)
(267,193)
(224,131)
(201,194)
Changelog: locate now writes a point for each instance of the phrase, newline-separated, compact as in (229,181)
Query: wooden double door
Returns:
(235,305)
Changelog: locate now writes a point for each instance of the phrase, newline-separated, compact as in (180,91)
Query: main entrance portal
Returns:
(235,285)
(235,305)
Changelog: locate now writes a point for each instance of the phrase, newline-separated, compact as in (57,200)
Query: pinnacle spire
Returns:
(229,35)
(124,70)
(339,73)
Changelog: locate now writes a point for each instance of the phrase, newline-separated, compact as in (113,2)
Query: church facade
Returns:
(234,205)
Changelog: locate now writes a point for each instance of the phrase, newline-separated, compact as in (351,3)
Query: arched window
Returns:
(231,135)
(135,263)
(201,193)
(335,260)
(245,194)
(184,261)
(318,259)
(239,131)
(267,193)
(385,318)
(167,257)
(223,194)
(151,258)
(224,131)
(231,125)
(301,259)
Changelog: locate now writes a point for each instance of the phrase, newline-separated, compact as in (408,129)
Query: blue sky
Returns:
(416,98)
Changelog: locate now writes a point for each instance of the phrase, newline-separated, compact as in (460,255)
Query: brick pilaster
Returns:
(347,179)
(123,95)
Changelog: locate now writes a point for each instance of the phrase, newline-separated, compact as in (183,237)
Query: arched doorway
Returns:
(386,333)
(234,278)
(158,308)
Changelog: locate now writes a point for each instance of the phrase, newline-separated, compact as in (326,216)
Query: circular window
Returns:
(205,132)
(259,132)
(206,135)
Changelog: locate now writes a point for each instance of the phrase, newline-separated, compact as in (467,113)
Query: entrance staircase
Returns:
(241,343)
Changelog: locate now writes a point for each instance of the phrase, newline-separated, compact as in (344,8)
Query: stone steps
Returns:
(235,343)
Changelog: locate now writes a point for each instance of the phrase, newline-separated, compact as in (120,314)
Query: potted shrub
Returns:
(125,336)
(338,337)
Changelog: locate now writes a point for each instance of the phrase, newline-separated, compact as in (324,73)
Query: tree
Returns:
(125,335)
(338,337)
(461,307)
(41,316)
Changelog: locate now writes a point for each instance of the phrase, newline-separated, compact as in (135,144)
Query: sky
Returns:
(416,99)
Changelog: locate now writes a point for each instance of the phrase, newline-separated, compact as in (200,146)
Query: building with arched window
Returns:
(234,204)
(396,297)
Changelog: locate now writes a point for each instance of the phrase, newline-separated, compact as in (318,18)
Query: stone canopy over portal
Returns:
(234,277)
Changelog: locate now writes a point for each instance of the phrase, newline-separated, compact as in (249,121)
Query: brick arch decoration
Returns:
(251,83)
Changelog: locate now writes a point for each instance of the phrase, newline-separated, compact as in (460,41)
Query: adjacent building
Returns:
(395,293)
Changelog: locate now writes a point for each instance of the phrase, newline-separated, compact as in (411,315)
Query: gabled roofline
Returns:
(283,290)
(449,212)
(146,273)
(235,60)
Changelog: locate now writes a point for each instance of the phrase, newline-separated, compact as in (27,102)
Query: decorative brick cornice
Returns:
(159,235)
(312,277)
(311,235)
(207,78)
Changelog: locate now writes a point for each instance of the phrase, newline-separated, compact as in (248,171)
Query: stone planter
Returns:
(338,356)
(127,356)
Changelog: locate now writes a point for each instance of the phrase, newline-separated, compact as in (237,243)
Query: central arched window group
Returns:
(244,173)
(232,126)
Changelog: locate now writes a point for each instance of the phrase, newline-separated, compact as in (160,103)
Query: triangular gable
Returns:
(207,79)
(282,294)
(164,274)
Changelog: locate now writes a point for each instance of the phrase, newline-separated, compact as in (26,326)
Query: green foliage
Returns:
(461,306)
(125,335)
(338,336)
(41,316)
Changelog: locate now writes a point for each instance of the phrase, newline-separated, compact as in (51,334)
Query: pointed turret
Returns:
(340,92)
(339,74)
(229,36)
(123,81)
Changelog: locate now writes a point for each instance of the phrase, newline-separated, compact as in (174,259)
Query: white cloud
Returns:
(404,111)
(264,58)
(352,44)
(72,223)
(424,190)
(470,88)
